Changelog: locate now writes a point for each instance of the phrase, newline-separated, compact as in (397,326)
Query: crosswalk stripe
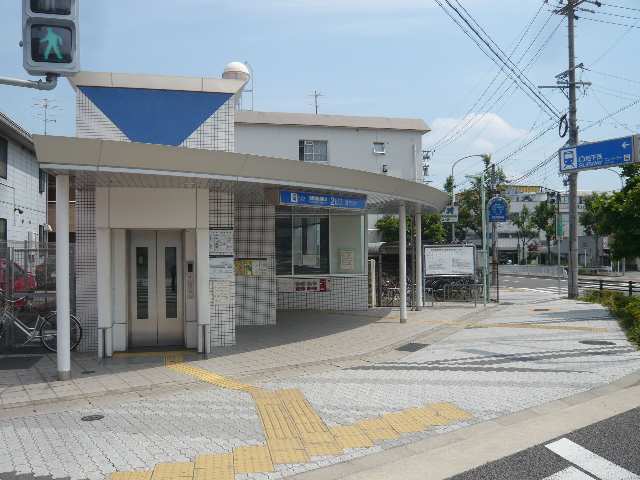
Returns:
(570,473)
(589,461)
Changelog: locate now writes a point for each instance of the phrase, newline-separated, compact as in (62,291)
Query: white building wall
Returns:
(20,190)
(347,147)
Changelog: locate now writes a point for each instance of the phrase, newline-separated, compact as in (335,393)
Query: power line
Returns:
(472,121)
(456,131)
(626,79)
(609,23)
(495,57)
(615,43)
(613,5)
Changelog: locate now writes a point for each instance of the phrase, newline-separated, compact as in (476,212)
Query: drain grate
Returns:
(412,347)
(541,309)
(92,418)
(88,372)
(596,342)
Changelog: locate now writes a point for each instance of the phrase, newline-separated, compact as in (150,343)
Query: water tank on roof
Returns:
(238,71)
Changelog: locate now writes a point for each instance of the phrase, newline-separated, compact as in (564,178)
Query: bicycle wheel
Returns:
(49,332)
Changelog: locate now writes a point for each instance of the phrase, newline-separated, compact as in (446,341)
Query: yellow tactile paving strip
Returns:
(293,430)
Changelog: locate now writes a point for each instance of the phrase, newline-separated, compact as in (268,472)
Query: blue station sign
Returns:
(616,152)
(498,209)
(321,200)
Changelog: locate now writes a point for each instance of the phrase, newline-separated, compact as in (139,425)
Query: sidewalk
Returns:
(301,342)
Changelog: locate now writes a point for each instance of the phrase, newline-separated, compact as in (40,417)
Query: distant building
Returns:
(382,145)
(23,186)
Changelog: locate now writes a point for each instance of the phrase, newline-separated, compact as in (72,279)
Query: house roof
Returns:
(156,82)
(341,121)
(15,132)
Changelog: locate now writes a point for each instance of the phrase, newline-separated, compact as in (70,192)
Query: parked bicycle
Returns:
(45,328)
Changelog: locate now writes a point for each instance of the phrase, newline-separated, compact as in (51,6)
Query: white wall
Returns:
(23,181)
(348,147)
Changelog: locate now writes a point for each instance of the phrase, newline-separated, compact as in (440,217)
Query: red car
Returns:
(23,281)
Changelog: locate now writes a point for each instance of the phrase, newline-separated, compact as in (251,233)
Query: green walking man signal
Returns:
(53,41)
(50,37)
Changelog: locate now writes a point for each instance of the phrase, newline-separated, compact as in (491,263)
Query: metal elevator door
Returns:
(156,289)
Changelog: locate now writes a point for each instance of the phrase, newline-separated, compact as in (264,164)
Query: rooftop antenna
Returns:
(316,97)
(48,107)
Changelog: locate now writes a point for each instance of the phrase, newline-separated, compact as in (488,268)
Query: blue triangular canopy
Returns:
(163,117)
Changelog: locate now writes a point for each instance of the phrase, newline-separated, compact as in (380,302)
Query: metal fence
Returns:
(28,274)
(627,287)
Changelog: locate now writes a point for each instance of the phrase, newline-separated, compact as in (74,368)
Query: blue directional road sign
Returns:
(498,209)
(608,153)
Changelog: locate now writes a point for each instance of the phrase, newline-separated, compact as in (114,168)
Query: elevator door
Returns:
(156,289)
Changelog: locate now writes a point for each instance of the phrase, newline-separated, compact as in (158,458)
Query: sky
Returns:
(400,58)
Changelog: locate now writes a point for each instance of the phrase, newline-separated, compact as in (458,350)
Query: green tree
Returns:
(433,230)
(543,220)
(526,231)
(618,215)
(590,220)
(470,217)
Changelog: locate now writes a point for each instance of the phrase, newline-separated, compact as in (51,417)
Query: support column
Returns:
(418,268)
(202,289)
(105,317)
(63,306)
(403,263)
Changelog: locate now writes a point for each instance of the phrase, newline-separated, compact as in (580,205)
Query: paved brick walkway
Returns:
(251,417)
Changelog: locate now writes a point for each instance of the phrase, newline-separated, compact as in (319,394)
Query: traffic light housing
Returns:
(50,37)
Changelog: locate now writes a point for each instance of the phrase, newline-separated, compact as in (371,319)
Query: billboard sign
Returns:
(616,152)
(449,260)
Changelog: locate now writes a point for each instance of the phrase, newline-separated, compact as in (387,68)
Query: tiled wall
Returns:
(223,329)
(85,258)
(216,133)
(255,239)
(346,293)
(21,190)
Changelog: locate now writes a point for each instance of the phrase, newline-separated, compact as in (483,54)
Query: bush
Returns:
(625,308)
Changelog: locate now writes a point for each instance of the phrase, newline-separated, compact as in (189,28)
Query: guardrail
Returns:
(629,287)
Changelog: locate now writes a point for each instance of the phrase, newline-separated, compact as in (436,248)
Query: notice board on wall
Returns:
(449,260)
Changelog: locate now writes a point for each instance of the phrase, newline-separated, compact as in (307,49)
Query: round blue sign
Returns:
(498,210)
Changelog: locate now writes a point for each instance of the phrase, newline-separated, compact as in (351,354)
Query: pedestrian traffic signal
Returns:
(50,37)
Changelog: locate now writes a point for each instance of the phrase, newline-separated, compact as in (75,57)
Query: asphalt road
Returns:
(608,450)
(530,282)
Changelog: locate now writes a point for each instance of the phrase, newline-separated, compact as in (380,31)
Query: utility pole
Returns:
(494,241)
(316,97)
(573,141)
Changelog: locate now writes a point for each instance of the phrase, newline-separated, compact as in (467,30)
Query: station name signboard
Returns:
(616,152)
(321,200)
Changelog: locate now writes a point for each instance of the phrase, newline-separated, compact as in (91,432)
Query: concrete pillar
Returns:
(403,263)
(103,277)
(202,289)
(63,307)
(418,268)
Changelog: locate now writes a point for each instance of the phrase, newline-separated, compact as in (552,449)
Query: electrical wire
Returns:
(484,45)
(609,23)
(453,133)
(613,5)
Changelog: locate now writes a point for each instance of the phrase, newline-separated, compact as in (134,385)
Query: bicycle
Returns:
(45,328)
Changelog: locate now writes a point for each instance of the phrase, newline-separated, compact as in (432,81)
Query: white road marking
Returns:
(589,461)
(570,473)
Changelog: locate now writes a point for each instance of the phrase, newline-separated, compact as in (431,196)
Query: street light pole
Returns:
(485,257)
(453,186)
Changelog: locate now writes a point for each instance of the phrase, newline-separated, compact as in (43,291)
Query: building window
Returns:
(302,245)
(3,230)
(4,156)
(313,150)
(42,185)
(379,148)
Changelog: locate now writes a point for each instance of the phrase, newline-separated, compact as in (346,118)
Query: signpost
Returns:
(498,210)
(450,214)
(616,152)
